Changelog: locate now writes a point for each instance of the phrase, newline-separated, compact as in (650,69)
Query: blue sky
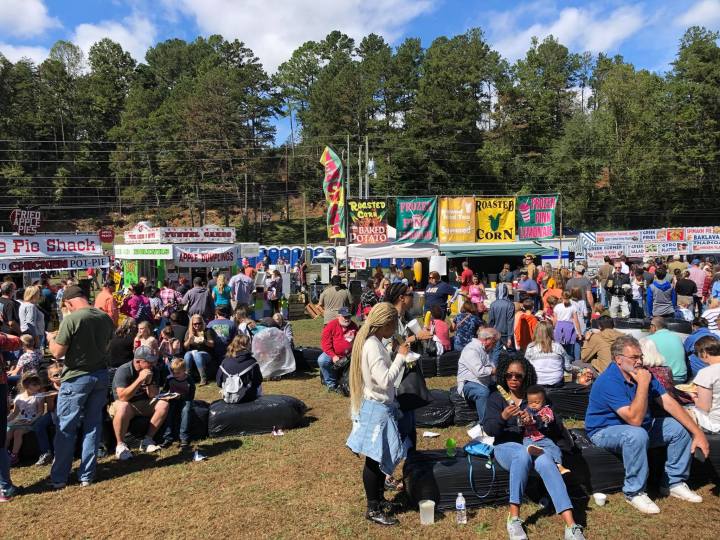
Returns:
(646,33)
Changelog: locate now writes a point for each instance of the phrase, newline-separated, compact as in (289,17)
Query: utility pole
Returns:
(287,179)
(304,225)
(367,168)
(360,176)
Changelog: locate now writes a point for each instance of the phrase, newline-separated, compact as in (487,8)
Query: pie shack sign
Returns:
(25,221)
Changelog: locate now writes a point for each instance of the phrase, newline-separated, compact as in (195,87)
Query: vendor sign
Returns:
(368,222)
(204,256)
(618,237)
(416,219)
(142,234)
(673,248)
(536,216)
(456,219)
(50,245)
(53,264)
(705,243)
(495,219)
(144,252)
(675,235)
(599,252)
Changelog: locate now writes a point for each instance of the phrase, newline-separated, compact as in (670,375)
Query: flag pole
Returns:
(347,217)
(561,230)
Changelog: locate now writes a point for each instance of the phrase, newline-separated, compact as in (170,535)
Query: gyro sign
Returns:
(50,245)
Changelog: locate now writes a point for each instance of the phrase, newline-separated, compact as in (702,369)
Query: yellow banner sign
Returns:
(495,219)
(456,219)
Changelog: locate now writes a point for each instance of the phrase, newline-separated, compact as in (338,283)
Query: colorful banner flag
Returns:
(495,219)
(456,219)
(368,222)
(416,219)
(334,193)
(536,216)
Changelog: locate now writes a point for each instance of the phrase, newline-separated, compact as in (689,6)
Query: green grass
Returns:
(306,484)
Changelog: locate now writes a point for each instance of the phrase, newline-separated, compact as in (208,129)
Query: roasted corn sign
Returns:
(368,221)
(495,219)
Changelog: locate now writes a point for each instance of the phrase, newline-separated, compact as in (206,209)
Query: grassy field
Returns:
(303,485)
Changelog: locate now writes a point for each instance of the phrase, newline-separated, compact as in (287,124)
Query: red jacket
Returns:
(7,343)
(337,340)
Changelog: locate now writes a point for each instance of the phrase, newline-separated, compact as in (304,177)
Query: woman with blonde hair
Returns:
(374,409)
(654,361)
(199,344)
(32,320)
(221,292)
(548,357)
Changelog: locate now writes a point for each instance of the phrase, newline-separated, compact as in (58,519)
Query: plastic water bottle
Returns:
(460,513)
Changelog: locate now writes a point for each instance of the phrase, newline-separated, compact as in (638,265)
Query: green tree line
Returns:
(192,127)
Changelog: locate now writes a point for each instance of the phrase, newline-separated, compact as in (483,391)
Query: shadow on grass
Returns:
(111,469)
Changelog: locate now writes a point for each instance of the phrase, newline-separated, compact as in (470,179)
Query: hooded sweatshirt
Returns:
(474,365)
(661,299)
(502,312)
(596,350)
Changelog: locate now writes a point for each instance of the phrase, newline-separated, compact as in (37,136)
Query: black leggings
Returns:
(374,482)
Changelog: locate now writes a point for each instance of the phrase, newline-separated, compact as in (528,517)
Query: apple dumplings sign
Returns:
(536,216)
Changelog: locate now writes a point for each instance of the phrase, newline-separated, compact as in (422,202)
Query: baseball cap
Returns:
(696,261)
(345,312)
(73,291)
(145,353)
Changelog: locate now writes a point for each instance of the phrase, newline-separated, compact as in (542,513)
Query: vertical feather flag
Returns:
(334,193)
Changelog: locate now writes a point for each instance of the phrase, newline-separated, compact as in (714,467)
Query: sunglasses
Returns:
(516,376)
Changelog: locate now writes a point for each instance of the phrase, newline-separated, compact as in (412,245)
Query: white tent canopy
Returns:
(388,250)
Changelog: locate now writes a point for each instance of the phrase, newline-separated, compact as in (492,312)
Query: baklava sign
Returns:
(368,221)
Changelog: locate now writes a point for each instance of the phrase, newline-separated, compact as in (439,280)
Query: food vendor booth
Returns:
(27,256)
(160,253)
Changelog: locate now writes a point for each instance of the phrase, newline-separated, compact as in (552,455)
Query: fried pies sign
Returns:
(25,221)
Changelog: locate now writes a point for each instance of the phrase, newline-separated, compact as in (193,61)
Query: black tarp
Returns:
(447,363)
(255,417)
(428,366)
(465,413)
(570,401)
(439,413)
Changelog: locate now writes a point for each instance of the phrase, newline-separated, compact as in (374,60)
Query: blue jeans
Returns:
(80,402)
(548,445)
(633,442)
(513,457)
(199,358)
(178,420)
(327,371)
(478,393)
(5,482)
(40,427)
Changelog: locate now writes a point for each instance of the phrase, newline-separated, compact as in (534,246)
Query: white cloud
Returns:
(274,28)
(24,18)
(16,52)
(135,33)
(576,28)
(704,13)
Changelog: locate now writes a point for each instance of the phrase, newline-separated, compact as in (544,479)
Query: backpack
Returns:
(144,312)
(235,387)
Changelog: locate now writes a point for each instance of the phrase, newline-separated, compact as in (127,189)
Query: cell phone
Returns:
(699,455)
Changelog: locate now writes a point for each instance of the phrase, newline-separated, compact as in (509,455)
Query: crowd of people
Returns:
(542,327)
(139,352)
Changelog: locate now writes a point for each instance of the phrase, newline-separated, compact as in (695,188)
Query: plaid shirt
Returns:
(170,300)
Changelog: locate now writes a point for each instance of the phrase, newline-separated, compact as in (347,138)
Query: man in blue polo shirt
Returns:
(437,292)
(618,419)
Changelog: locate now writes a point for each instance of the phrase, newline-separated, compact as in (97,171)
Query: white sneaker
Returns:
(122,452)
(644,504)
(148,445)
(682,491)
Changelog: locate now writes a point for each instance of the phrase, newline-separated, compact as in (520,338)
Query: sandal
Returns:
(393,485)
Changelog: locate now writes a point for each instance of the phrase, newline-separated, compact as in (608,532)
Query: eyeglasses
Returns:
(633,357)
(516,376)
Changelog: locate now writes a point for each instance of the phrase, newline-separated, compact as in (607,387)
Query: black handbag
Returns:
(413,392)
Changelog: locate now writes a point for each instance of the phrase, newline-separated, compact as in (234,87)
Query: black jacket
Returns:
(615,282)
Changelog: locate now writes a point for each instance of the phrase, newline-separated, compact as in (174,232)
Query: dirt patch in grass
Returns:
(305,484)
